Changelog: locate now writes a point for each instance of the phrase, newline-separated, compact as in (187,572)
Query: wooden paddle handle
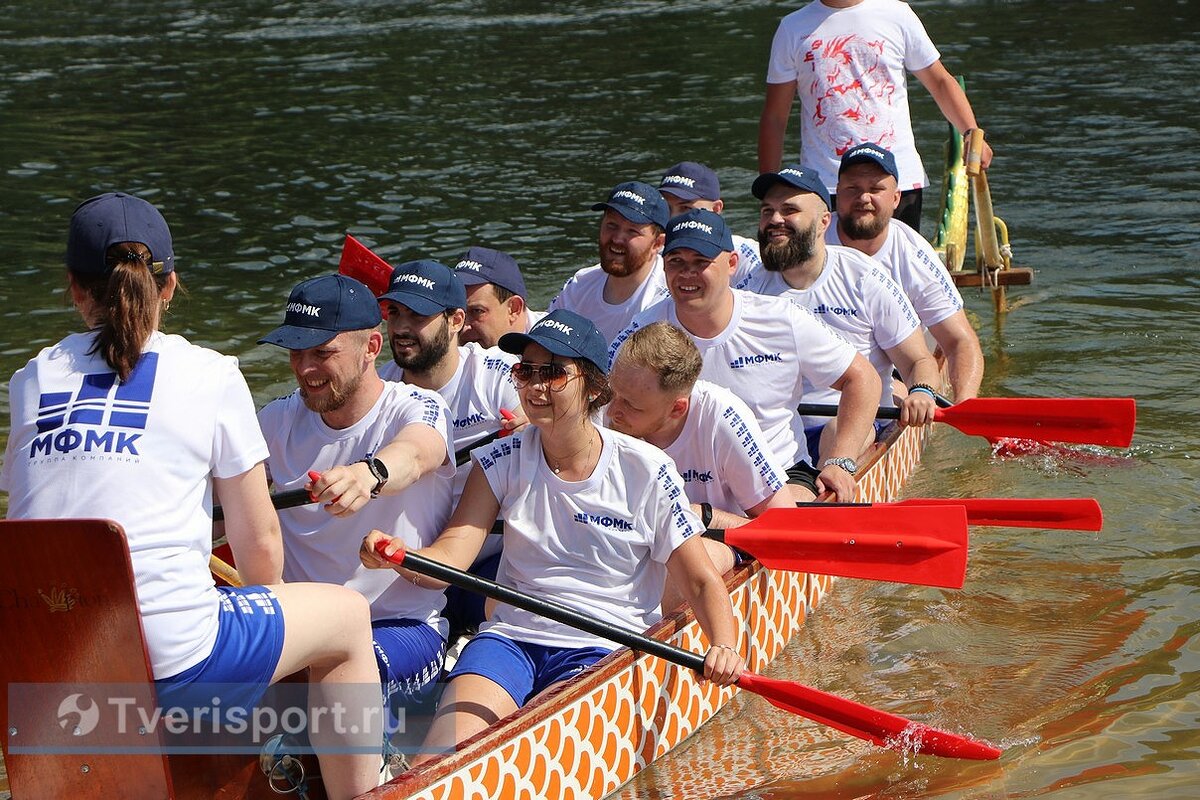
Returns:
(973,159)
(225,572)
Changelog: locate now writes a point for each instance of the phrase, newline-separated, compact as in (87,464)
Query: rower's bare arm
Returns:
(417,450)
(952,101)
(460,541)
(917,366)
(772,125)
(252,526)
(861,390)
(693,573)
(964,357)
(781,499)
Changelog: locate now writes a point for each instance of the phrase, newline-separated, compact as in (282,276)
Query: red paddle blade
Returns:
(1067,513)
(926,545)
(856,719)
(1082,420)
(360,263)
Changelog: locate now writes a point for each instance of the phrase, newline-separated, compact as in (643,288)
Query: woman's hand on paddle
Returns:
(723,665)
(342,490)
(917,409)
(514,421)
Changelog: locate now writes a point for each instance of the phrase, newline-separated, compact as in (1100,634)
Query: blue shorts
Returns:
(409,654)
(249,641)
(520,668)
(813,435)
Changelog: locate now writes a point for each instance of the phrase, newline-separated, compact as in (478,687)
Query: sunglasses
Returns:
(553,375)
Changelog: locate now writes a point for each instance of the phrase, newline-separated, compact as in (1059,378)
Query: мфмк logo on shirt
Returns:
(604,521)
(100,417)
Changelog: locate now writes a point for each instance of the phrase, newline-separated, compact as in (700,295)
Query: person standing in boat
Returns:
(592,519)
(182,420)
(766,350)
(496,294)
(867,197)
(846,61)
(846,289)
(425,311)
(729,471)
(690,184)
(629,277)
(383,453)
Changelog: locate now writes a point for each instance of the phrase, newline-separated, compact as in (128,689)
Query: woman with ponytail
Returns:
(125,422)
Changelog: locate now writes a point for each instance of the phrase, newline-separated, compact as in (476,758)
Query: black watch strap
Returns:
(378,472)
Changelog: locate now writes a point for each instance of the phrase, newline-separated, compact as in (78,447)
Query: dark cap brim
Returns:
(419,304)
(634,215)
(683,193)
(294,337)
(516,343)
(704,247)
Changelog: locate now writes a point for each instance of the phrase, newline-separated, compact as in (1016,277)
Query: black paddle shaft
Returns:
(555,611)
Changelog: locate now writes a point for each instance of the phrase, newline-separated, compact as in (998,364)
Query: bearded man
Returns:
(845,289)
(629,277)
(867,198)
(382,451)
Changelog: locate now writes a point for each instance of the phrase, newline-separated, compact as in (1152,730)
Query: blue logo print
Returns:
(96,404)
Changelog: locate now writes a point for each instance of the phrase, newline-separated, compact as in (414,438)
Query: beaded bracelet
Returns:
(923,387)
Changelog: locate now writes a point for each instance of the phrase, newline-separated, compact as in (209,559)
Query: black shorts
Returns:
(802,474)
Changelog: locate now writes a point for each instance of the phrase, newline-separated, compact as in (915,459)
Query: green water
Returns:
(266,131)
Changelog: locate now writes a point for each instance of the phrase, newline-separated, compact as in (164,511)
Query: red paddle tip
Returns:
(381,548)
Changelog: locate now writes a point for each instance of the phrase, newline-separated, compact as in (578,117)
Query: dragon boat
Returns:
(69,614)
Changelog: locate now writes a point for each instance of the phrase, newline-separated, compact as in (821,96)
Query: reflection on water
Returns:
(266,131)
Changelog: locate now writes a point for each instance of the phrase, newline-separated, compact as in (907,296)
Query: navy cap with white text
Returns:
(319,309)
(563,333)
(485,265)
(637,202)
(870,153)
(795,176)
(701,230)
(427,287)
(691,180)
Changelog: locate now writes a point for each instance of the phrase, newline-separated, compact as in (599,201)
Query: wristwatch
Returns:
(843,462)
(378,472)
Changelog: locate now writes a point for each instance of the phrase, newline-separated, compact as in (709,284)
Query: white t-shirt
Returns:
(764,355)
(321,547)
(849,66)
(143,453)
(533,318)
(855,297)
(599,546)
(722,453)
(748,259)
(480,387)
(583,293)
(913,263)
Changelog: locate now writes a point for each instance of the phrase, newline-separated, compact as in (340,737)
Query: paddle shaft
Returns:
(293,498)
(851,717)
(553,610)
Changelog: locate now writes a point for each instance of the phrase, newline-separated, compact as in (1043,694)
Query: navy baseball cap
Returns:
(107,219)
(427,287)
(485,265)
(701,230)
(563,333)
(637,202)
(320,308)
(870,153)
(795,176)
(691,180)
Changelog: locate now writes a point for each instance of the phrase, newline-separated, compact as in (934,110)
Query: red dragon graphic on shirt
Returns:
(853,92)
